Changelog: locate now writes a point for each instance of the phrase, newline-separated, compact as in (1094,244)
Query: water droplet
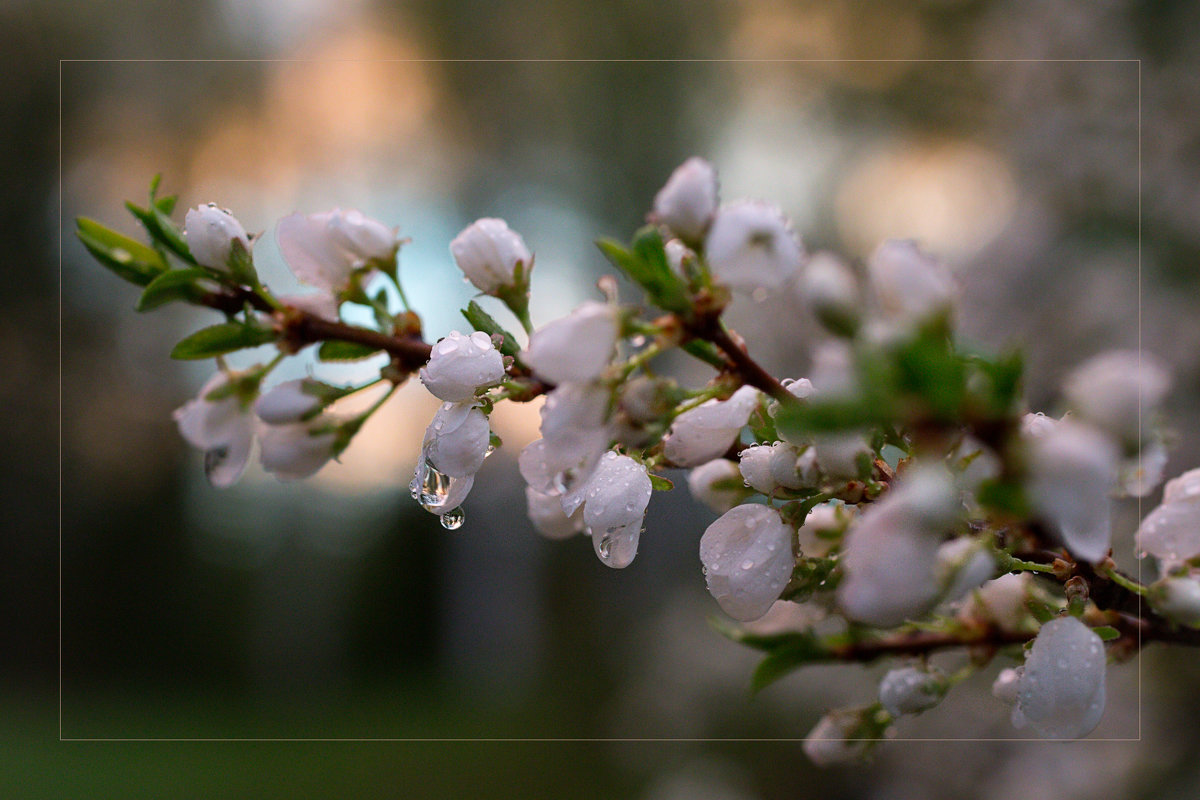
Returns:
(748,564)
(759,294)
(453,519)
(638,340)
(605,548)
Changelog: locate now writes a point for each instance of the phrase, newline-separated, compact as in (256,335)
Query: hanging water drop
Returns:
(453,519)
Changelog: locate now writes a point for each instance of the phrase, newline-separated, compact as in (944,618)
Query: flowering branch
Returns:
(902,486)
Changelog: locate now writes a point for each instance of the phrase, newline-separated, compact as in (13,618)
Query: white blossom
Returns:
(457,440)
(833,740)
(1061,691)
(615,503)
(210,232)
(839,455)
(326,248)
(707,431)
(574,348)
(222,428)
(575,434)
(908,285)
(751,246)
(831,292)
(909,690)
(489,253)
(299,449)
(688,200)
(290,401)
(834,374)
(702,480)
(1037,425)
(1072,472)
(1177,599)
(678,256)
(1001,601)
(891,548)
(1140,474)
(1171,532)
(546,514)
(461,364)
(768,467)
(748,559)
(1116,390)
(822,529)
(963,564)
(1007,685)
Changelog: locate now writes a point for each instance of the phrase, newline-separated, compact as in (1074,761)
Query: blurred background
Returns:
(335,608)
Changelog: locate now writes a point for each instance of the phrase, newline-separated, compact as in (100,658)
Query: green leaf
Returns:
(162,229)
(483,321)
(334,350)
(1106,633)
(660,484)
(220,339)
(646,265)
(128,258)
(1042,612)
(1003,495)
(172,285)
(802,649)
(707,352)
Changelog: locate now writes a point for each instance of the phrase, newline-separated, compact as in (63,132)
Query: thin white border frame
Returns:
(571,739)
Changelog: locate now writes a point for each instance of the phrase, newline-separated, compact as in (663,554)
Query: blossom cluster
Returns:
(902,490)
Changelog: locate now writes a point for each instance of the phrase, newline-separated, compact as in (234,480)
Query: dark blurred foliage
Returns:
(188,613)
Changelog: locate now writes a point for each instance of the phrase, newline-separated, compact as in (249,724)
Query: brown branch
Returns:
(740,362)
(918,643)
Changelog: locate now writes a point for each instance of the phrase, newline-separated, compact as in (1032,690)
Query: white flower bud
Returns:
(831,742)
(748,559)
(1072,472)
(210,232)
(574,348)
(823,528)
(701,482)
(457,440)
(1061,692)
(546,514)
(575,434)
(1035,426)
(707,431)
(831,292)
(754,463)
(296,451)
(222,428)
(1143,472)
(909,690)
(963,564)
(688,200)
(751,246)
(616,498)
(289,402)
(1000,601)
(1007,685)
(460,364)
(1115,390)
(678,254)
(767,467)
(891,548)
(908,285)
(839,455)
(324,249)
(489,252)
(1183,487)
(1177,599)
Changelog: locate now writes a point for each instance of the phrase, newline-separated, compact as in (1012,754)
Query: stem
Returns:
(1123,582)
(749,370)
